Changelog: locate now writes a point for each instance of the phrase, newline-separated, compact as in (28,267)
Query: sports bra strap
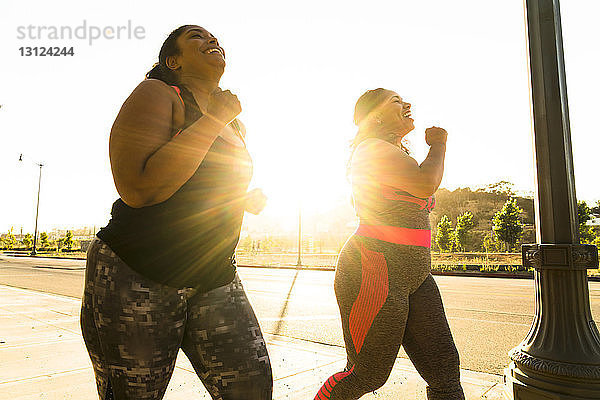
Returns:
(178,94)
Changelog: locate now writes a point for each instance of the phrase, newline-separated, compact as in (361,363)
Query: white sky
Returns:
(298,68)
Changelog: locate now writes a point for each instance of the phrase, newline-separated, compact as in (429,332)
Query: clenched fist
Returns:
(255,201)
(435,135)
(223,106)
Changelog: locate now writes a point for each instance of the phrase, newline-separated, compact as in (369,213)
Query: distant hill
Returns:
(483,204)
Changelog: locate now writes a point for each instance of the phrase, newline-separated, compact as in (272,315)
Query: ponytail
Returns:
(163,74)
(169,48)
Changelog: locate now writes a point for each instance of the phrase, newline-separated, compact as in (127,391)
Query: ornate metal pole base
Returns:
(524,384)
(560,357)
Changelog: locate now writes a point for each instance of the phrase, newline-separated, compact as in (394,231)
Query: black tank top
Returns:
(189,239)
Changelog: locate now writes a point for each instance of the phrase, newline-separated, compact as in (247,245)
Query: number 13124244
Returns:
(46,51)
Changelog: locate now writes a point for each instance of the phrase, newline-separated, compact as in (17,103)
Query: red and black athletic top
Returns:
(390,214)
(189,239)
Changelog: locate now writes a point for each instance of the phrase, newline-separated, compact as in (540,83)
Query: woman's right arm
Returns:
(389,165)
(148,166)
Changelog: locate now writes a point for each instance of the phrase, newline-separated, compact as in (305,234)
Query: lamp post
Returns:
(560,357)
(299,263)
(37,208)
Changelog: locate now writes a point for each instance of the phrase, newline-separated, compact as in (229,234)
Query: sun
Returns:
(309,184)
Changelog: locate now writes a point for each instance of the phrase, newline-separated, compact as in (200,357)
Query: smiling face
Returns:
(199,54)
(395,115)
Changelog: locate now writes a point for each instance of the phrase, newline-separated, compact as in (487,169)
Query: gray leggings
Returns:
(133,329)
(388,298)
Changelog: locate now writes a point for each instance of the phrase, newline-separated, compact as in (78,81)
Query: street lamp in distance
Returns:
(299,263)
(37,208)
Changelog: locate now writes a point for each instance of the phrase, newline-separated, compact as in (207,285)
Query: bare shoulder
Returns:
(150,102)
(374,148)
(374,143)
(144,122)
(153,89)
(375,157)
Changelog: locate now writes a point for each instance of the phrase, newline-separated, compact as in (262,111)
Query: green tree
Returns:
(586,234)
(443,236)
(464,223)
(507,224)
(27,241)
(9,239)
(44,241)
(68,240)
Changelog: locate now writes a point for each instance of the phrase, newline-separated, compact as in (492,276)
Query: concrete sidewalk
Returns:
(42,356)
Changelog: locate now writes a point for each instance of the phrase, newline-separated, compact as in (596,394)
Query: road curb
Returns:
(62,268)
(332,268)
(37,256)
(442,273)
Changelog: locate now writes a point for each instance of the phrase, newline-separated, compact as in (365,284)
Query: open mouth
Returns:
(215,50)
(407,114)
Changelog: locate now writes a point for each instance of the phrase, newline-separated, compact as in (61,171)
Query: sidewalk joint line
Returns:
(45,375)
(487,391)
(308,370)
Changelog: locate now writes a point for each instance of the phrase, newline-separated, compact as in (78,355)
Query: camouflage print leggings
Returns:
(133,329)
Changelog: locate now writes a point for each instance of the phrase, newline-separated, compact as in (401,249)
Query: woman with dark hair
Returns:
(385,292)
(162,275)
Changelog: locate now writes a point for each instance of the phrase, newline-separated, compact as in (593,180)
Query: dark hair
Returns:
(169,48)
(365,105)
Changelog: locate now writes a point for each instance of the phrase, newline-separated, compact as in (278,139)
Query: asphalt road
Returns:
(488,316)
